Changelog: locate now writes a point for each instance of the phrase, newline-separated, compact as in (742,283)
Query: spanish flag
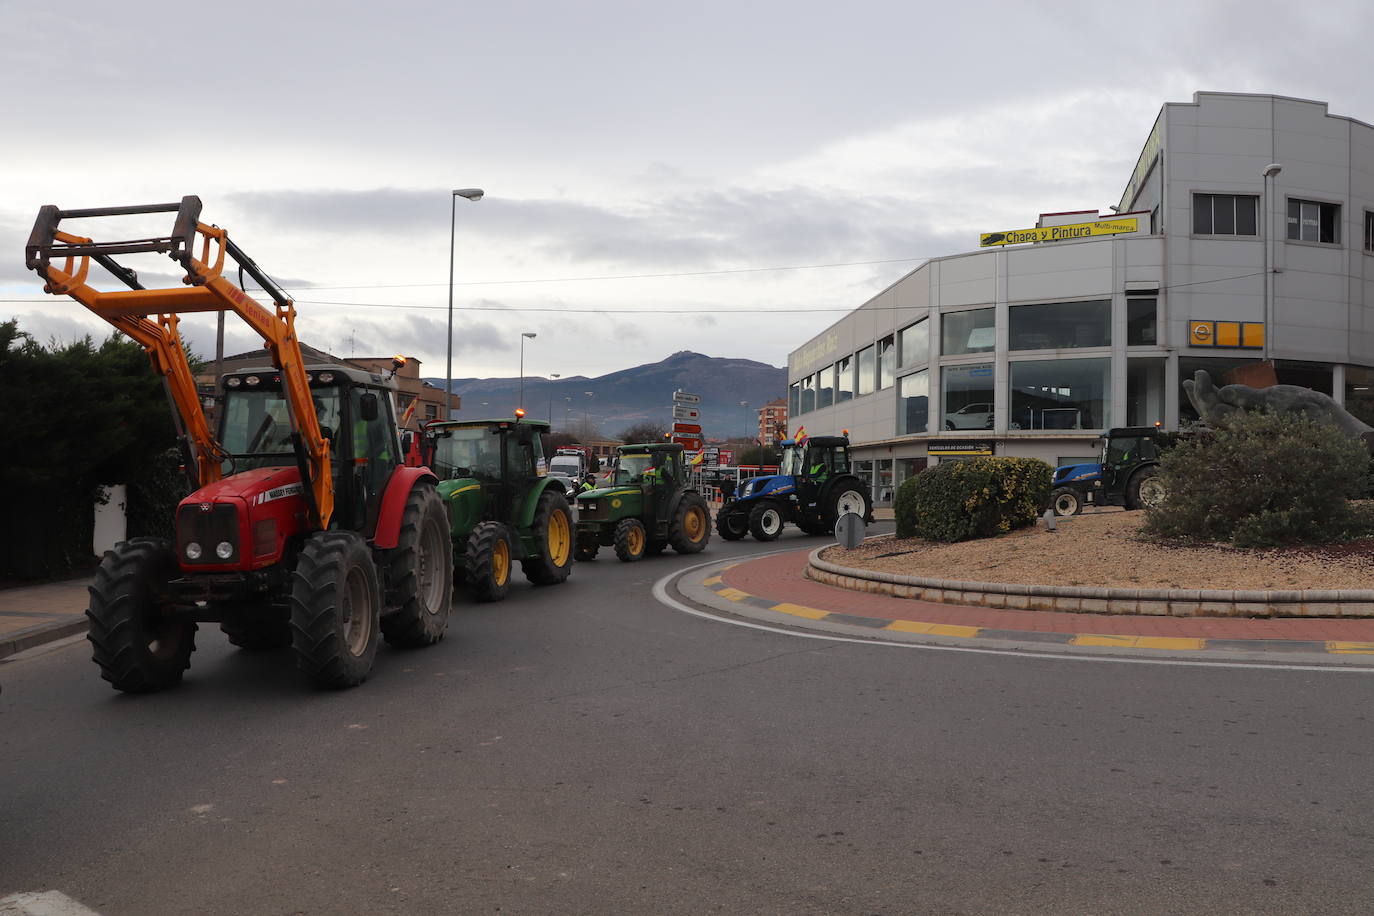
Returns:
(697,459)
(801,436)
(410,411)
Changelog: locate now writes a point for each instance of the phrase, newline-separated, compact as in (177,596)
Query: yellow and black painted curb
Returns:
(715,584)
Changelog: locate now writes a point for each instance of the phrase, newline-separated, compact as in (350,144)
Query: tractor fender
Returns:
(398,487)
(525,518)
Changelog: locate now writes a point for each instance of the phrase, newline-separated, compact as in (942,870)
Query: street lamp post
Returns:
(1270,171)
(552,375)
(473,194)
(522,365)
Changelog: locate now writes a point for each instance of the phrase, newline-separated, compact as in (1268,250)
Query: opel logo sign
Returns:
(1202,331)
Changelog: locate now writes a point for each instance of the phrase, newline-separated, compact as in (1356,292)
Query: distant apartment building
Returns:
(1242,244)
(773,422)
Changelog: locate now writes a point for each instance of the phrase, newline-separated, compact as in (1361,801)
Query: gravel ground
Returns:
(1104,548)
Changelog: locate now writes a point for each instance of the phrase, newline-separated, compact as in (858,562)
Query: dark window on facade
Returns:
(1369,230)
(826,395)
(1313,221)
(431,411)
(1060,394)
(967,332)
(914,343)
(808,394)
(967,394)
(794,399)
(1141,321)
(1060,325)
(913,402)
(1225,214)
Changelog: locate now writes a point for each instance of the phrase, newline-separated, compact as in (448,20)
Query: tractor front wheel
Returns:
(420,572)
(138,642)
(690,531)
(731,525)
(765,522)
(553,533)
(488,561)
(335,607)
(1146,489)
(1066,501)
(631,540)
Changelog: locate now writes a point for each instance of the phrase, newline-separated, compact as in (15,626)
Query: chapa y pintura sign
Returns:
(1058,233)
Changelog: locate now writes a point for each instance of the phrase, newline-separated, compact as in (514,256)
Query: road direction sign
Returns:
(685,413)
(689,443)
(682,397)
(686,429)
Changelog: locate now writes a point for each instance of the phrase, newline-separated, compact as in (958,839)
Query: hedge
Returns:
(973,498)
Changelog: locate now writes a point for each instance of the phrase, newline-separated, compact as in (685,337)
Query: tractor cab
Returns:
(493,460)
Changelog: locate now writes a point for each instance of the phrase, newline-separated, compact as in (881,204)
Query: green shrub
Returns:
(976,498)
(1264,480)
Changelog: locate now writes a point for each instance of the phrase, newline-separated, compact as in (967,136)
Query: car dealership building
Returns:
(1241,245)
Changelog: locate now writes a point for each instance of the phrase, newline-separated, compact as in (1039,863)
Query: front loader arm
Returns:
(207,290)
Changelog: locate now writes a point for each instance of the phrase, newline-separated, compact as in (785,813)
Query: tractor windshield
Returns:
(792,461)
(471,452)
(256,424)
(631,469)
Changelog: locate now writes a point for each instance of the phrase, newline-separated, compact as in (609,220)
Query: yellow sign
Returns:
(1242,335)
(1059,233)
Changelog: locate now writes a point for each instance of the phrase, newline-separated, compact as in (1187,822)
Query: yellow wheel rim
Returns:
(500,562)
(636,541)
(694,524)
(560,539)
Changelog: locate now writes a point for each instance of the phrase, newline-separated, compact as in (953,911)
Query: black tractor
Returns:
(1127,475)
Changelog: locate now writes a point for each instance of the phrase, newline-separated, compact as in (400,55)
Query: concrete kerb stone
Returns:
(1169,602)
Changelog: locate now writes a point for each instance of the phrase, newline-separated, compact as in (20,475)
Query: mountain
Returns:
(641,394)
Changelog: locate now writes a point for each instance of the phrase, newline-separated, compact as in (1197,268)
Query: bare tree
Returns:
(644,431)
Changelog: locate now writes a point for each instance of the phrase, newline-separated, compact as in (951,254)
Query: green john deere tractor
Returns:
(500,509)
(647,506)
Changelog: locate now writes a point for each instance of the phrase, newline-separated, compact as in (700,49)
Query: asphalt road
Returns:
(584,749)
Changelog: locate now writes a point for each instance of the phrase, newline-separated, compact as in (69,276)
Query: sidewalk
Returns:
(775,588)
(36,614)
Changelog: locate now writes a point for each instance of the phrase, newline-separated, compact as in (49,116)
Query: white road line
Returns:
(42,903)
(661,594)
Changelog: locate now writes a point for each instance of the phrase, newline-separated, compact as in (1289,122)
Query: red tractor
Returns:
(305,527)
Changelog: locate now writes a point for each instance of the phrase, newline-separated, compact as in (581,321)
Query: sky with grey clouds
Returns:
(641,161)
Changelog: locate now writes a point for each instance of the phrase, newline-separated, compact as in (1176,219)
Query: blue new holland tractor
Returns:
(1127,474)
(814,488)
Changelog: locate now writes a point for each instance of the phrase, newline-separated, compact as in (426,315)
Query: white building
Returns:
(1241,245)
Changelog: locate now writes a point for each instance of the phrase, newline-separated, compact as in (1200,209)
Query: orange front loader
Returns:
(300,531)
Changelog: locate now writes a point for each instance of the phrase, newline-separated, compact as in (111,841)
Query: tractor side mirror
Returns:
(367,407)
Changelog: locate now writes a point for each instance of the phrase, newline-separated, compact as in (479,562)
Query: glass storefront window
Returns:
(1142,321)
(1144,391)
(808,394)
(913,342)
(794,399)
(967,394)
(887,361)
(1359,393)
(864,471)
(1060,325)
(844,379)
(825,396)
(868,371)
(883,487)
(967,332)
(913,402)
(1060,394)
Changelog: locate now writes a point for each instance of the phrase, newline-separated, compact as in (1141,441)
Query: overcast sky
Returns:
(647,165)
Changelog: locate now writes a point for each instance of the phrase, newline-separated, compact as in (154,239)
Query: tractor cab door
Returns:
(822,465)
(519,471)
(667,480)
(374,452)
(1121,455)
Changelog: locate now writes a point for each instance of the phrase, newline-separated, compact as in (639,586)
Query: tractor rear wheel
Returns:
(631,541)
(765,522)
(420,572)
(488,561)
(842,500)
(335,605)
(690,530)
(731,525)
(139,644)
(1066,501)
(553,533)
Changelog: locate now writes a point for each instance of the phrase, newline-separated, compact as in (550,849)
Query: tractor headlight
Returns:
(224,550)
(193,551)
